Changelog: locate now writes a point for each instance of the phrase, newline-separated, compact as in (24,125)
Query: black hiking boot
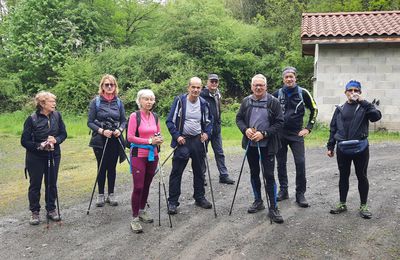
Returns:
(203,203)
(283,194)
(256,206)
(301,200)
(275,215)
(225,179)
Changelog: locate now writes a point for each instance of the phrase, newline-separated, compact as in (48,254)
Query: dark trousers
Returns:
(38,167)
(216,144)
(298,151)
(108,167)
(268,163)
(361,166)
(194,149)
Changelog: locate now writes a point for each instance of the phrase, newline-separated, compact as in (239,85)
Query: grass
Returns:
(78,164)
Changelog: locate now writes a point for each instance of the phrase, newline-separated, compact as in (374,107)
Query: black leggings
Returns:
(361,165)
(109,165)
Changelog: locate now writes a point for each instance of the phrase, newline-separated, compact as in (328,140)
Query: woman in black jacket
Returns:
(349,130)
(107,121)
(43,133)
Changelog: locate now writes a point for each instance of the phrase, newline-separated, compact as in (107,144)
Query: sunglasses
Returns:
(214,81)
(356,90)
(109,85)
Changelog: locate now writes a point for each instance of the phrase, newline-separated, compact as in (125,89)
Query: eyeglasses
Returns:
(109,85)
(214,81)
(259,85)
(356,90)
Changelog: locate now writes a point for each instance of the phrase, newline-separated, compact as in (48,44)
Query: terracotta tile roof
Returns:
(350,24)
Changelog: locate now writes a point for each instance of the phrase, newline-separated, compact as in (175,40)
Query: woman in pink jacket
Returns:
(144,136)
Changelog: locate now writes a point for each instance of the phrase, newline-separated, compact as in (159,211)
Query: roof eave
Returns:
(308,43)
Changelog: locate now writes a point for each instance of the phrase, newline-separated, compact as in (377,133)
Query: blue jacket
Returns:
(176,118)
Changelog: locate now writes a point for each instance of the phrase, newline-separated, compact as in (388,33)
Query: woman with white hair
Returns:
(144,135)
(43,133)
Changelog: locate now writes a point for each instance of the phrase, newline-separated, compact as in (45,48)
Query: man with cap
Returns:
(349,130)
(212,95)
(294,100)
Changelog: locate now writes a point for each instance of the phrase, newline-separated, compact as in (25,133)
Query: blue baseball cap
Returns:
(353,84)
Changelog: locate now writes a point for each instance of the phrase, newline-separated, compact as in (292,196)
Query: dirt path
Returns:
(196,234)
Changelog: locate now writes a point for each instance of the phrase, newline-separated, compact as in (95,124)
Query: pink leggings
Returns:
(142,173)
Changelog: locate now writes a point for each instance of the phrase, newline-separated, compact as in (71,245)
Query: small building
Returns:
(363,46)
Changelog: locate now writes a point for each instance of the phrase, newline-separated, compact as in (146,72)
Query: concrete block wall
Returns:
(376,66)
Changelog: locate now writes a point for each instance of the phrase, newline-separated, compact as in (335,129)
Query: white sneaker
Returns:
(100,200)
(145,217)
(135,225)
(111,200)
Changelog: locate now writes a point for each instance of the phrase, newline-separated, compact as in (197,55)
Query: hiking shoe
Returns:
(35,218)
(172,209)
(225,179)
(100,200)
(145,217)
(111,200)
(301,200)
(341,207)
(53,215)
(364,211)
(282,195)
(275,215)
(256,206)
(203,203)
(135,225)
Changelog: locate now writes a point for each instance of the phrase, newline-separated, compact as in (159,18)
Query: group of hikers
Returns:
(270,123)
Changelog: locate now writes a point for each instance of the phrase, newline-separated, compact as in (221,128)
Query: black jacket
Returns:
(107,113)
(275,118)
(358,128)
(205,93)
(37,132)
(294,107)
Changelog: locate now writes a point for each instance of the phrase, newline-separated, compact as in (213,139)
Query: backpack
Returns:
(138,119)
(98,102)
(282,101)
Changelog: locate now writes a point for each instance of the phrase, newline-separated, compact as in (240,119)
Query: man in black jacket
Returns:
(349,129)
(294,100)
(211,94)
(259,119)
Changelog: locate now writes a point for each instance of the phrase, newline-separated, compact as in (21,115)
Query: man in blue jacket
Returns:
(190,124)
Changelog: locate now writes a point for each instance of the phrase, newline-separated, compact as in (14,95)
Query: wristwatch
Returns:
(150,140)
(264,133)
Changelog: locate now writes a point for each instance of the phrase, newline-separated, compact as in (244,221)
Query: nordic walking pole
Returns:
(55,184)
(240,174)
(123,149)
(209,179)
(48,189)
(263,176)
(159,202)
(165,191)
(166,160)
(97,177)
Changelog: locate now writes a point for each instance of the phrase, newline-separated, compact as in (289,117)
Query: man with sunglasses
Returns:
(294,101)
(349,130)
(212,95)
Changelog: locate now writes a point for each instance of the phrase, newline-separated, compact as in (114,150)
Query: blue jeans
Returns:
(216,144)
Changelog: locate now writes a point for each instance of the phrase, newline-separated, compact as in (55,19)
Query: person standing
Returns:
(145,137)
(349,130)
(294,100)
(190,124)
(212,95)
(107,121)
(259,119)
(42,135)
